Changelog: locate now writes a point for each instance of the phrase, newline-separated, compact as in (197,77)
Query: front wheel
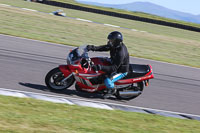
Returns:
(55,80)
(130,92)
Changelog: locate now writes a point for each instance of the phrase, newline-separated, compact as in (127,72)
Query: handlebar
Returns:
(87,63)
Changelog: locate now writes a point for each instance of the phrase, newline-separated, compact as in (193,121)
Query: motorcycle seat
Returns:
(137,70)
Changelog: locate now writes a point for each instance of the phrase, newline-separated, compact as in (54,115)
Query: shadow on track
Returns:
(34,86)
(66,92)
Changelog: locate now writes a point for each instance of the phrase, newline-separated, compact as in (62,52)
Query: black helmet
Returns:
(116,37)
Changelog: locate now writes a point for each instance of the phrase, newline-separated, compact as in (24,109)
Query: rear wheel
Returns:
(54,80)
(130,92)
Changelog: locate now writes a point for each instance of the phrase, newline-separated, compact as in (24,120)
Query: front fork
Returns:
(66,71)
(146,82)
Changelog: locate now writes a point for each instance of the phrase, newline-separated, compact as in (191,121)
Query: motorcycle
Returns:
(79,71)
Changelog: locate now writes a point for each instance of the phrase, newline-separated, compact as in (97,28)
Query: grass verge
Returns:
(139,14)
(22,115)
(158,43)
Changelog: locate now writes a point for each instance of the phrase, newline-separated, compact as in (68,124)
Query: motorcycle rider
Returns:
(119,60)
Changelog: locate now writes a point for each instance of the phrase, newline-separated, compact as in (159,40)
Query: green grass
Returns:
(24,115)
(159,43)
(139,14)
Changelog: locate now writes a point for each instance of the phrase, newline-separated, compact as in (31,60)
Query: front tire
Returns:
(135,87)
(53,80)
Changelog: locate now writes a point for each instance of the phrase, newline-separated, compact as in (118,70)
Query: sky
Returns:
(188,6)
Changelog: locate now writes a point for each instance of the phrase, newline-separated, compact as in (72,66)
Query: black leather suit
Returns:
(119,58)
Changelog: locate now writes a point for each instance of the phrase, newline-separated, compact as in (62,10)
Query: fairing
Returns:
(65,70)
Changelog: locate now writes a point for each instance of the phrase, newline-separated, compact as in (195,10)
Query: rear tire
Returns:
(53,80)
(136,87)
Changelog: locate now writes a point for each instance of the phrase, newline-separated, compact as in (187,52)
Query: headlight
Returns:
(73,56)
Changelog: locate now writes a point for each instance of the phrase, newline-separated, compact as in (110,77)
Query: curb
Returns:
(95,104)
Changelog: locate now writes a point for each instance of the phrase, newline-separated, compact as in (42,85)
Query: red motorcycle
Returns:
(79,70)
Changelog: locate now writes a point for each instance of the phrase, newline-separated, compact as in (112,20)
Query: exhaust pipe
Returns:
(128,93)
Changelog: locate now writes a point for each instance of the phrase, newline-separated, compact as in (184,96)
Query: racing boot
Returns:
(111,92)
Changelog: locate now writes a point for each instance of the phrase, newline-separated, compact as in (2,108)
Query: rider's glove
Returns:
(90,47)
(96,67)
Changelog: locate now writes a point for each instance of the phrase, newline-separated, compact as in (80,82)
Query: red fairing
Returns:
(101,61)
(65,70)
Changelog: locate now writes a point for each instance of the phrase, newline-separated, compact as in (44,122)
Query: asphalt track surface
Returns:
(24,64)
